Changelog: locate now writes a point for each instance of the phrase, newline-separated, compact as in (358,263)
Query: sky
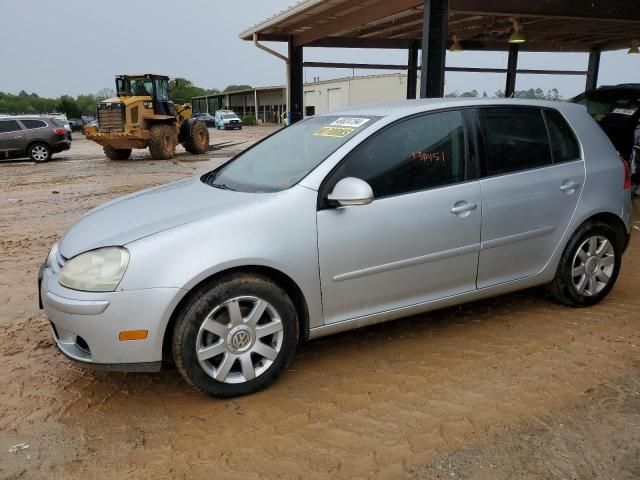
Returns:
(73,47)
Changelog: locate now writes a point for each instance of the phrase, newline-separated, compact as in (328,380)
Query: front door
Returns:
(533,178)
(420,237)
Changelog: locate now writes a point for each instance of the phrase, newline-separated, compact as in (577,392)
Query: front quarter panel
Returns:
(278,232)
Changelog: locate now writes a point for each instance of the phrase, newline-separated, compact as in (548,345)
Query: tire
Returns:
(39,152)
(197,139)
(241,361)
(116,153)
(162,142)
(593,250)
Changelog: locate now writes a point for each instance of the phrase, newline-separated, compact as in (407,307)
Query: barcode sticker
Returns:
(625,111)
(349,122)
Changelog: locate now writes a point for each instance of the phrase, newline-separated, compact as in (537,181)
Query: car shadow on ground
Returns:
(364,345)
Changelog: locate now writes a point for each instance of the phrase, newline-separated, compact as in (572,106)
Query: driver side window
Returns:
(415,154)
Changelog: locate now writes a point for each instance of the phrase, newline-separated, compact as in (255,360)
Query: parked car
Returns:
(336,222)
(37,137)
(90,123)
(208,119)
(226,119)
(61,121)
(76,124)
(617,110)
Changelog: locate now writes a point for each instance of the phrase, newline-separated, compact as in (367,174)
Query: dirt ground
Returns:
(513,387)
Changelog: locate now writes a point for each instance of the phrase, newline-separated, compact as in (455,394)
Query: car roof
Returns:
(620,86)
(24,117)
(409,107)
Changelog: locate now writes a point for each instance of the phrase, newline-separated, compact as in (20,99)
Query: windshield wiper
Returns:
(222,186)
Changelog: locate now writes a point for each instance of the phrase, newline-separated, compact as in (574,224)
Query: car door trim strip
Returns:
(518,237)
(410,262)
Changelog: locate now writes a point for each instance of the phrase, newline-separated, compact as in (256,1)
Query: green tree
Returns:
(235,88)
(68,105)
(182,90)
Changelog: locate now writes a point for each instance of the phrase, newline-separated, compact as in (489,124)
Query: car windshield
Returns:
(286,157)
(600,103)
(229,115)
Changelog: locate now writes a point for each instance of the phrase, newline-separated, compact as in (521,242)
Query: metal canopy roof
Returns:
(548,25)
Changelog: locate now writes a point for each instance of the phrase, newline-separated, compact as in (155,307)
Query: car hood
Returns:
(144,213)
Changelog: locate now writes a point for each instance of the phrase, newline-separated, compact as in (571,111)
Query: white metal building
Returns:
(328,95)
(319,97)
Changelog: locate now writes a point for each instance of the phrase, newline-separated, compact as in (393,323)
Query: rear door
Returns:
(532,178)
(12,138)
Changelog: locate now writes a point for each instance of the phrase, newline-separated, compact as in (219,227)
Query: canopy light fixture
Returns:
(635,47)
(517,36)
(455,46)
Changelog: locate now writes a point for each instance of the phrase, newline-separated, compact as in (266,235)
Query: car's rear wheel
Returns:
(588,268)
(116,153)
(235,336)
(40,152)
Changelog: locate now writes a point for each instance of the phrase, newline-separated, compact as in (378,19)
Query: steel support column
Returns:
(512,70)
(296,83)
(434,47)
(593,70)
(412,73)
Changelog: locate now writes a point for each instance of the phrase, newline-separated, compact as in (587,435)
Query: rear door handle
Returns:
(18,136)
(462,207)
(569,186)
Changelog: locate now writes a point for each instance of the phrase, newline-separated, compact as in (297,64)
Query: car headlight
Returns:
(96,271)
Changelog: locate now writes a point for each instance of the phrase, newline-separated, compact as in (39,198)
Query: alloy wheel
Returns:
(239,339)
(39,153)
(593,265)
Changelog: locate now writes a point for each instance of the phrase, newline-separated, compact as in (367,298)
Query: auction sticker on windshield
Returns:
(349,122)
(333,132)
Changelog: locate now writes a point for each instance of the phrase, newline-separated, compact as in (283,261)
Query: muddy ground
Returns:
(513,387)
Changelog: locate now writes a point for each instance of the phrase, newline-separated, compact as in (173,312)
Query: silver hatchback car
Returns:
(337,222)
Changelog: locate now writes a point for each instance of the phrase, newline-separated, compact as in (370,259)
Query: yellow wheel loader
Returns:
(142,116)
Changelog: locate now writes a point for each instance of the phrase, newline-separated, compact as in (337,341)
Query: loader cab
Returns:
(147,85)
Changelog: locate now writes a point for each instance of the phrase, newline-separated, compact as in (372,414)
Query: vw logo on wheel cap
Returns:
(240,339)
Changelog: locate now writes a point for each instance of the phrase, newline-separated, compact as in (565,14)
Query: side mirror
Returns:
(351,191)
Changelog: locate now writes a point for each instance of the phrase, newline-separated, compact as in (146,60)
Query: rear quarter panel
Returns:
(603,187)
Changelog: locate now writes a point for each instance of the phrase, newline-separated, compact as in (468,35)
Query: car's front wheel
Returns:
(589,266)
(235,336)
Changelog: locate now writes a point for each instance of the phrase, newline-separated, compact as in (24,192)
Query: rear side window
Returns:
(564,145)
(415,154)
(9,126)
(514,139)
(31,124)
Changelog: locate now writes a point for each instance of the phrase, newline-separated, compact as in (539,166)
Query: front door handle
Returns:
(569,186)
(16,137)
(463,207)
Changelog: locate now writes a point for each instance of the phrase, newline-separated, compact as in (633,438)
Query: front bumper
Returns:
(133,138)
(86,325)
